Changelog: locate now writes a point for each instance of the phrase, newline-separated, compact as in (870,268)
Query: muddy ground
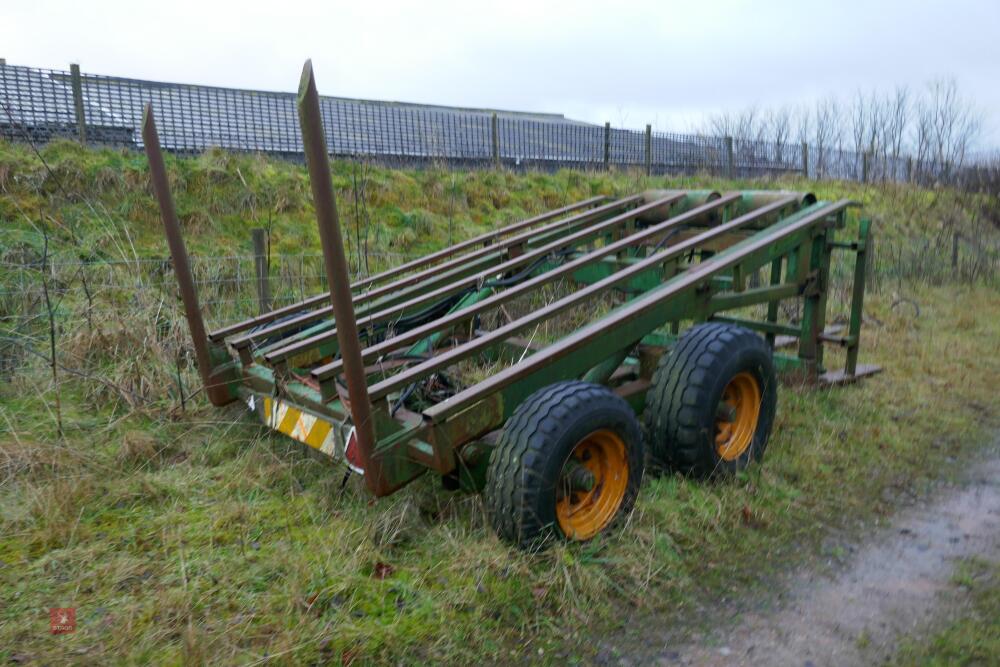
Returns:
(894,583)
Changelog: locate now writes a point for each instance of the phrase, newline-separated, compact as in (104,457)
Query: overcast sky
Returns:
(665,63)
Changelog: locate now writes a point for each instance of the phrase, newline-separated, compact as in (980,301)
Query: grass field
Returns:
(198,537)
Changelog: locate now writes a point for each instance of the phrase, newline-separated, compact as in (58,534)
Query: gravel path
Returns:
(896,584)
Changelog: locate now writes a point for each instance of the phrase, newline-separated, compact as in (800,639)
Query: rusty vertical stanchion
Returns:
(215,385)
(318,162)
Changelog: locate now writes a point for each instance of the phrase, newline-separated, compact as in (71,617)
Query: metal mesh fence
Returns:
(39,105)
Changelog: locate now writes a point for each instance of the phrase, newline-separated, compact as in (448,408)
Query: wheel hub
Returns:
(592,485)
(737,415)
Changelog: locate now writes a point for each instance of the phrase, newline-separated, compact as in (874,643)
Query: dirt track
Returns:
(896,584)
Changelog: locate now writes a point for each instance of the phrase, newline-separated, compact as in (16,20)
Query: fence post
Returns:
(495,136)
(805,160)
(730,165)
(954,249)
(864,167)
(260,264)
(909,170)
(81,117)
(649,149)
(607,146)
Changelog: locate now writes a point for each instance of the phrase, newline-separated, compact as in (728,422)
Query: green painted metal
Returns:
(858,295)
(687,295)
(772,307)
(662,288)
(769,328)
(600,373)
(427,345)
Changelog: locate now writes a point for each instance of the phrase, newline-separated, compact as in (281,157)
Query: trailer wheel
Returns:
(711,405)
(568,464)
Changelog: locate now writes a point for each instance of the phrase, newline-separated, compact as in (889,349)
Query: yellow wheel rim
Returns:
(592,485)
(737,416)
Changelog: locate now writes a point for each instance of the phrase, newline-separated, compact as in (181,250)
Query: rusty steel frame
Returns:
(464,264)
(370,354)
(550,310)
(392,309)
(614,323)
(491,242)
(670,256)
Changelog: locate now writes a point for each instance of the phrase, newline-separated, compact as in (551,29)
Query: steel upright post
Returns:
(649,150)
(495,139)
(607,146)
(76,81)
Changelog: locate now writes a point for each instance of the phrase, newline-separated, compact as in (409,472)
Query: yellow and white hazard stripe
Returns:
(304,427)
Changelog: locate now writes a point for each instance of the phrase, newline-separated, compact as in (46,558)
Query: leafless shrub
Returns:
(947,128)
(888,136)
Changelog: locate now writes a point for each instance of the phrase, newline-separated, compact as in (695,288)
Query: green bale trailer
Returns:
(550,363)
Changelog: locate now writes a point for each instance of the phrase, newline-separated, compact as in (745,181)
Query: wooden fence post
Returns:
(730,158)
(805,159)
(649,150)
(864,167)
(954,249)
(81,117)
(260,265)
(495,135)
(607,146)
(909,170)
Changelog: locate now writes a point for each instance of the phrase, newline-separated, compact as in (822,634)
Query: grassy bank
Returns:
(97,204)
(197,536)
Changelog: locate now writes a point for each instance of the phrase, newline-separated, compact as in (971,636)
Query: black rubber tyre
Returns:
(683,403)
(528,464)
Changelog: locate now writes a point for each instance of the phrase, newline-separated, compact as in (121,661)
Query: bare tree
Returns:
(828,132)
(867,131)
(802,119)
(947,127)
(746,125)
(778,128)
(937,129)
(897,118)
